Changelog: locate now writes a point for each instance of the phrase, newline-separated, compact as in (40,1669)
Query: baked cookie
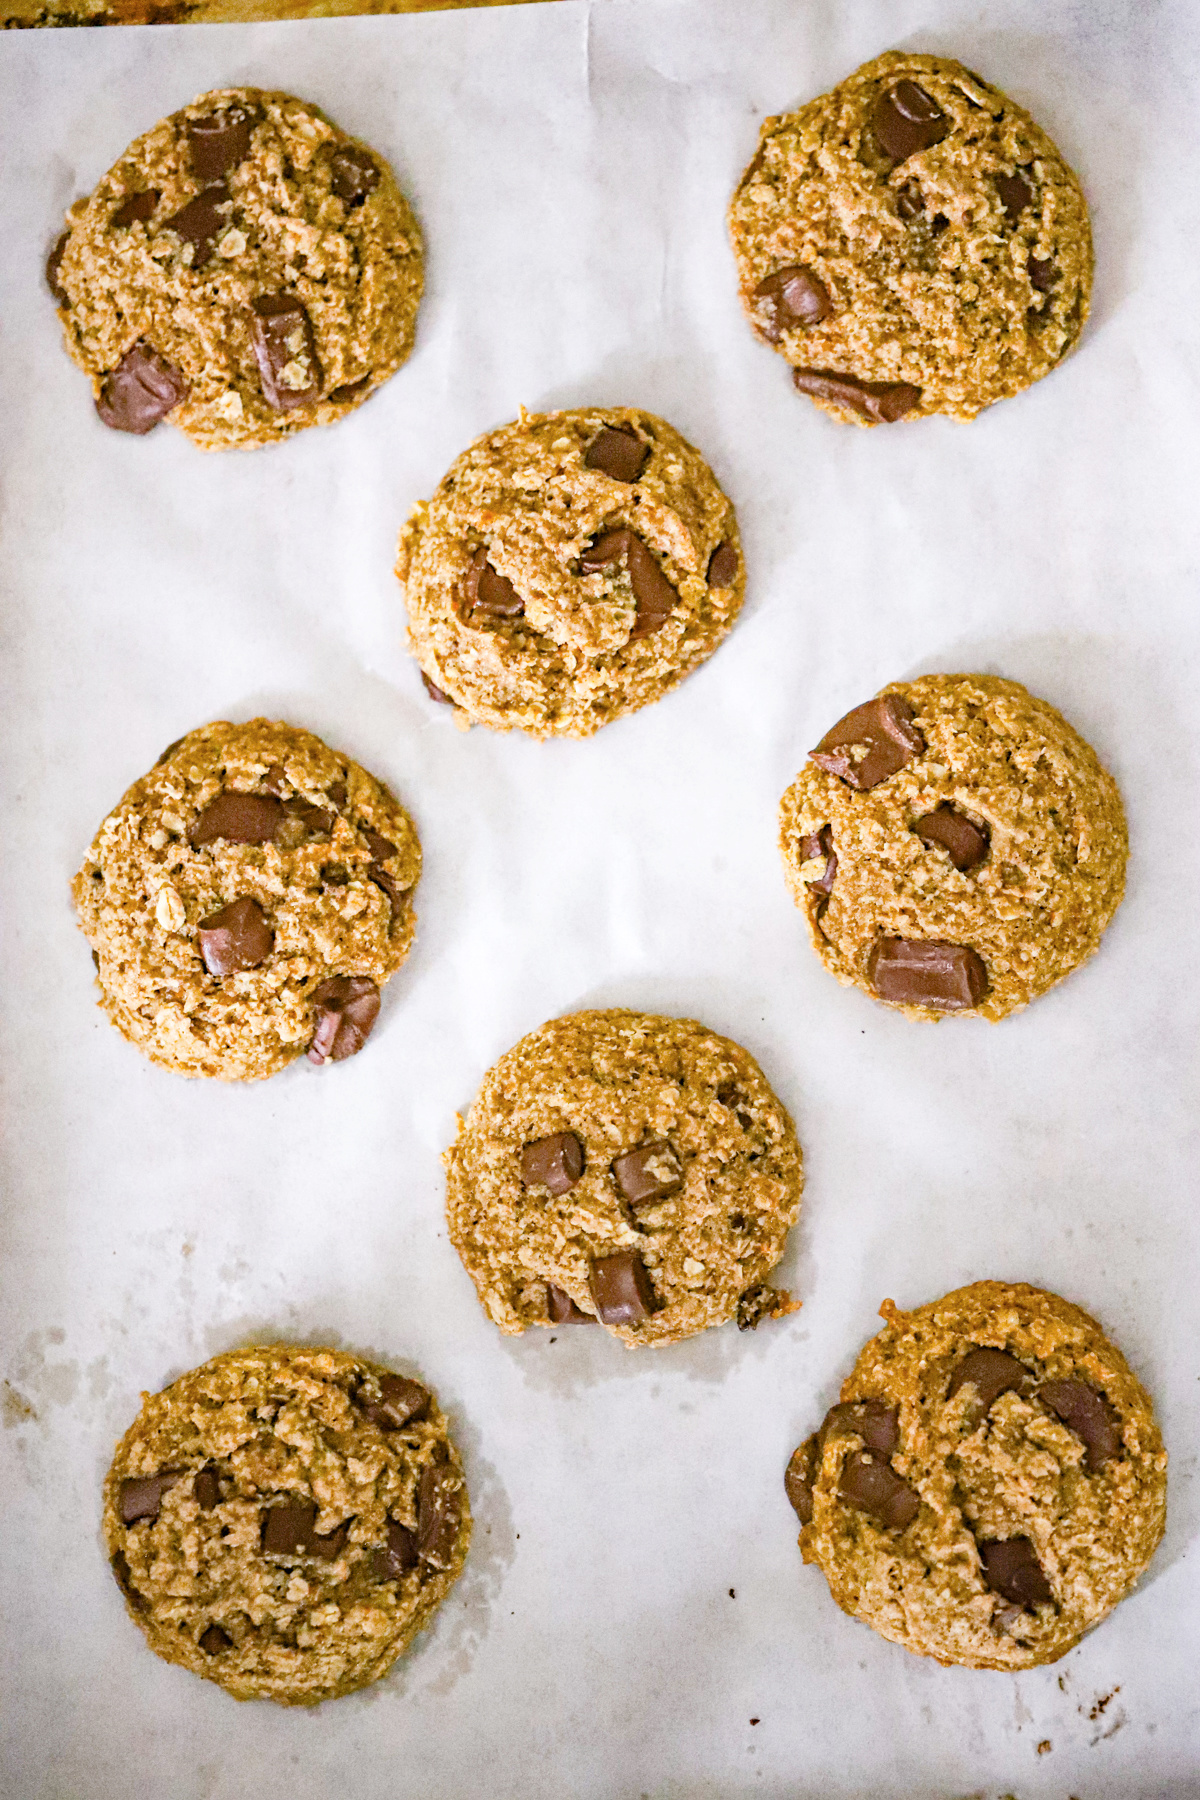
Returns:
(245,270)
(571,567)
(955,847)
(991,1483)
(284,1521)
(912,243)
(247,900)
(627,1168)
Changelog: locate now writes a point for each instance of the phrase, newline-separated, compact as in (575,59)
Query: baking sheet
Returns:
(634,1618)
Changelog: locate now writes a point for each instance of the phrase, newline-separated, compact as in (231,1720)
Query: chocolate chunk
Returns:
(213,1640)
(237,937)
(793,296)
(312,818)
(938,224)
(201,222)
(206,1489)
(219,141)
(620,1288)
(1088,1414)
(349,390)
(140,391)
(1042,274)
(872,742)
(124,1579)
(286,352)
(608,548)
(648,1174)
(618,451)
(391,888)
(927,972)
(883,402)
(1011,1568)
(439,1513)
(874,1421)
(141,1495)
(397,1555)
(238,818)
(991,1373)
(137,209)
(275,779)
(873,1487)
(798,1480)
(907,119)
(761,1302)
(337,794)
(722,566)
(353,174)
(330,1547)
(553,1162)
(1015,193)
(347,1006)
(655,596)
(379,846)
(400,1402)
(52,265)
(964,843)
(910,203)
(287,1530)
(563,1310)
(435,693)
(820,844)
(486,592)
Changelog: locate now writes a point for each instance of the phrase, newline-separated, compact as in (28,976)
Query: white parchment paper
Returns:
(635,1619)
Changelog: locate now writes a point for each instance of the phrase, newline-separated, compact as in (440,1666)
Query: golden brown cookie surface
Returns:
(571,567)
(247,900)
(283,1521)
(991,1483)
(955,846)
(913,243)
(629,1167)
(245,270)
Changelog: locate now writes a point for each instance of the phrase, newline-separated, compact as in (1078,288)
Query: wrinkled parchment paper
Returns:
(635,1618)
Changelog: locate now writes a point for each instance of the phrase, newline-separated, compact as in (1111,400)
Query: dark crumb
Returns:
(754,1721)
(763,1302)
(1101,1706)
(554,1340)
(1045,1747)
(732,1595)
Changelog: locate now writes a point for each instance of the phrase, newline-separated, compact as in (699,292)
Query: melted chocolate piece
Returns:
(655,596)
(123,1577)
(238,818)
(349,390)
(141,1495)
(794,296)
(618,451)
(140,391)
(563,1310)
(275,779)
(991,1373)
(213,1639)
(201,222)
(1088,1415)
(220,140)
(136,209)
(347,1007)
(1015,193)
(798,1480)
(337,794)
(927,972)
(487,593)
(964,843)
(907,119)
(61,296)
(874,1421)
(722,566)
(397,1555)
(910,203)
(435,693)
(820,844)
(439,1513)
(289,1530)
(873,1487)
(761,1302)
(553,1162)
(649,1174)
(882,402)
(874,741)
(620,1288)
(1011,1568)
(1042,274)
(400,1402)
(353,174)
(206,1488)
(237,937)
(381,848)
(286,352)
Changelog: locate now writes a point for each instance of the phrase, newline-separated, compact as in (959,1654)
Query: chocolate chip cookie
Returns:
(571,567)
(283,1521)
(244,270)
(625,1168)
(991,1483)
(912,243)
(246,901)
(955,847)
